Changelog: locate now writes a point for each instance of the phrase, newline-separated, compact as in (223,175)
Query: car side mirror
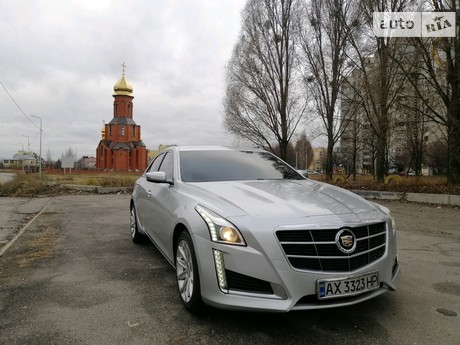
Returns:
(157,177)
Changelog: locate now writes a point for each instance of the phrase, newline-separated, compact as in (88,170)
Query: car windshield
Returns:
(227,165)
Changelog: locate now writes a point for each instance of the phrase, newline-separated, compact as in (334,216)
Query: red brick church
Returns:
(121,146)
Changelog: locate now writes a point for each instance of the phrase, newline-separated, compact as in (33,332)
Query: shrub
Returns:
(392,179)
(24,186)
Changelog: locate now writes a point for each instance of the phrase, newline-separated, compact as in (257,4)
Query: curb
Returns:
(440,199)
(98,189)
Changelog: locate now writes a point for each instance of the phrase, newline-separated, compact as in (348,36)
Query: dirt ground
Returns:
(441,221)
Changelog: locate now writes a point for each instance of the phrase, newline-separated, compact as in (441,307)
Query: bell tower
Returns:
(123,97)
(121,146)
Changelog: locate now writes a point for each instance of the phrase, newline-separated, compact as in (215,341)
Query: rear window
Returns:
(227,165)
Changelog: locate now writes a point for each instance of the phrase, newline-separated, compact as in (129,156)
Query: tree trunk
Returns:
(329,162)
(453,171)
(283,149)
(453,167)
(354,153)
(380,159)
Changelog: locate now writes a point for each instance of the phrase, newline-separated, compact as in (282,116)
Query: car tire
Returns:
(136,236)
(187,275)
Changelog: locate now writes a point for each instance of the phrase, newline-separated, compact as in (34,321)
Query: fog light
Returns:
(220,270)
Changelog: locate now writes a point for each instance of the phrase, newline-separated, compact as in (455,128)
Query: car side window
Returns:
(168,166)
(156,163)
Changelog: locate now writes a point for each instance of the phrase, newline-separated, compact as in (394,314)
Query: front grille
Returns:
(316,250)
(241,282)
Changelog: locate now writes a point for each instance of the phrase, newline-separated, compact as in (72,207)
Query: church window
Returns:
(122,131)
(134,130)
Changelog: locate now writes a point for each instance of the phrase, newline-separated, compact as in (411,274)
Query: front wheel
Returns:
(136,236)
(188,279)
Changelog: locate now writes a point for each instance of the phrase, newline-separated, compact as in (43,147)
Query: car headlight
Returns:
(221,230)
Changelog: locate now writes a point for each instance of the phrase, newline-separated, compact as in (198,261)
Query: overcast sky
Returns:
(59,60)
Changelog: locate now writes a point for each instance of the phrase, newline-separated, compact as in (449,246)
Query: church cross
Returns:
(123,66)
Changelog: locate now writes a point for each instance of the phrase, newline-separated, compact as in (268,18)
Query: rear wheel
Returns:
(188,279)
(136,236)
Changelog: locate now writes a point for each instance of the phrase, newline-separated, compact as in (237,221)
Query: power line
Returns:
(17,105)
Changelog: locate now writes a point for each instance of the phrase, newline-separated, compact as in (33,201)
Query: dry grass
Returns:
(39,247)
(91,178)
(31,185)
(24,186)
(101,179)
(404,184)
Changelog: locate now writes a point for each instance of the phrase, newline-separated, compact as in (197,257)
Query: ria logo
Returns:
(414,24)
(439,25)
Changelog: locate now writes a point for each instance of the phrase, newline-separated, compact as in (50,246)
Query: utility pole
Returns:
(40,162)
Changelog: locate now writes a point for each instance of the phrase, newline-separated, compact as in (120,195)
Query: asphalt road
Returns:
(75,277)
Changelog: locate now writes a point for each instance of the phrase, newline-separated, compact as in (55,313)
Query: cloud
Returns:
(60,60)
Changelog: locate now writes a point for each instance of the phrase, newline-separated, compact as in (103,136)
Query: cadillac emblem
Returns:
(346,241)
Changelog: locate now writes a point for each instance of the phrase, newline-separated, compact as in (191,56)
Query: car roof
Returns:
(210,148)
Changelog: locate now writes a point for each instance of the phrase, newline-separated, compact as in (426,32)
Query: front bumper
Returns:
(289,289)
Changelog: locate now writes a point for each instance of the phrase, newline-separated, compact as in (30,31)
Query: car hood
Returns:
(285,198)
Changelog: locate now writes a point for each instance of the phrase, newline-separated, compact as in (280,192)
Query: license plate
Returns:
(342,287)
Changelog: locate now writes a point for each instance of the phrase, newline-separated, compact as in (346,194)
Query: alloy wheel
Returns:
(184,271)
(133,223)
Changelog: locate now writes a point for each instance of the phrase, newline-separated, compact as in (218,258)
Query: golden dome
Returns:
(123,87)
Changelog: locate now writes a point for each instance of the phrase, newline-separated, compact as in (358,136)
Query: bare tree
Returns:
(352,139)
(261,103)
(380,78)
(352,145)
(324,44)
(304,152)
(414,122)
(436,81)
(49,158)
(290,155)
(436,156)
(450,48)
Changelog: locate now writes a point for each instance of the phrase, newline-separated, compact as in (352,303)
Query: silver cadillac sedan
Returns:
(246,231)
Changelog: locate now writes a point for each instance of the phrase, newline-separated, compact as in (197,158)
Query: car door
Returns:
(143,194)
(159,202)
